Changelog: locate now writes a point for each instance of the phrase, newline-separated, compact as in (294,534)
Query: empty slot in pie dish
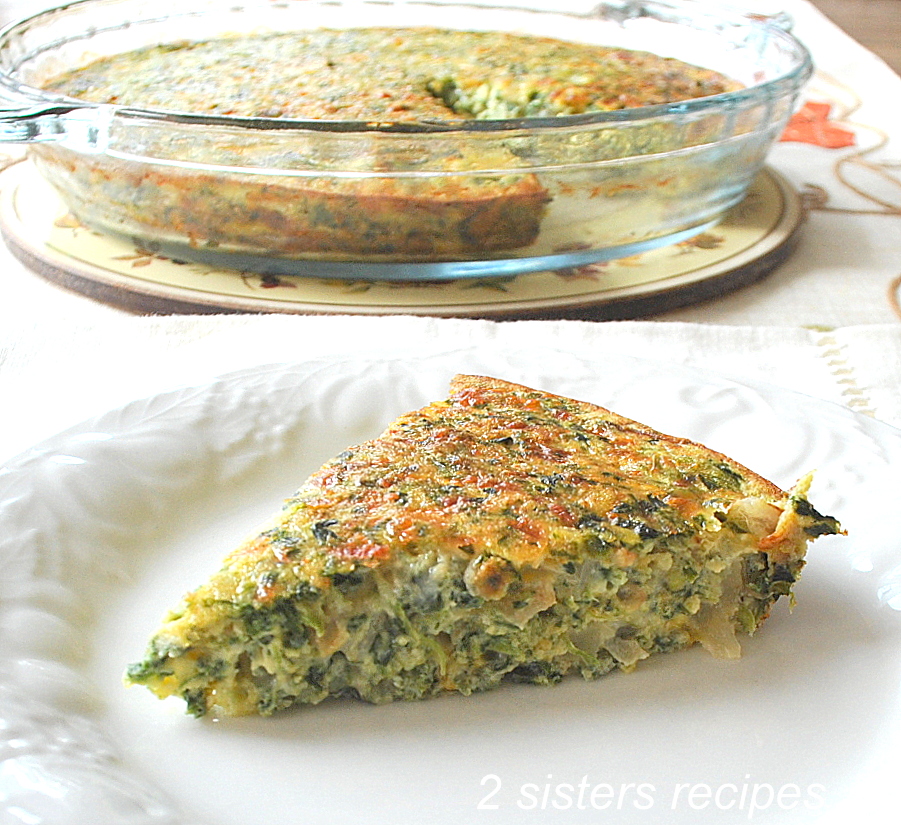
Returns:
(423,151)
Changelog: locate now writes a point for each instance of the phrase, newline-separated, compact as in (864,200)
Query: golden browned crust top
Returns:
(502,469)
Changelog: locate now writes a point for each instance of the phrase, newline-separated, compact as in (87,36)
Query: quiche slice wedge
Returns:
(502,534)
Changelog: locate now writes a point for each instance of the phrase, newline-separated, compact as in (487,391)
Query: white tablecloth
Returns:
(51,378)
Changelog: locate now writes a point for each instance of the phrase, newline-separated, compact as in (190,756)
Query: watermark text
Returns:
(745,796)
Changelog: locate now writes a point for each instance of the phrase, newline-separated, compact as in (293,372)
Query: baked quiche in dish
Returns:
(387,201)
(388,74)
(502,534)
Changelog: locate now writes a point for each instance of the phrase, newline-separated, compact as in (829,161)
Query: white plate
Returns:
(103,527)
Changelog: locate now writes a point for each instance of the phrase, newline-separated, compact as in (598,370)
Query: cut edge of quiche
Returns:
(502,534)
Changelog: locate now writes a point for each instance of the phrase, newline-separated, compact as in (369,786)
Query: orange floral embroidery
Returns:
(811,124)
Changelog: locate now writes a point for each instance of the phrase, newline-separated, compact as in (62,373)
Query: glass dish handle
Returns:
(27,118)
(775,17)
(34,123)
(766,11)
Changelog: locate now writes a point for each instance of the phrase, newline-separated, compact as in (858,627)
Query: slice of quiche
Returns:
(502,534)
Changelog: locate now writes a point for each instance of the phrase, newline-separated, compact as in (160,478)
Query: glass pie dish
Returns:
(413,200)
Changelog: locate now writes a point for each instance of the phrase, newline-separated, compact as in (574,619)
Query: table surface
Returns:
(875,24)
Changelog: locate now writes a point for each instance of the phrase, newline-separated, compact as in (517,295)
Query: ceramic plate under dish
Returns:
(747,244)
(104,526)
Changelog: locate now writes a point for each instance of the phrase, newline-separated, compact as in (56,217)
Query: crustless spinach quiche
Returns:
(389,74)
(502,534)
(352,196)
